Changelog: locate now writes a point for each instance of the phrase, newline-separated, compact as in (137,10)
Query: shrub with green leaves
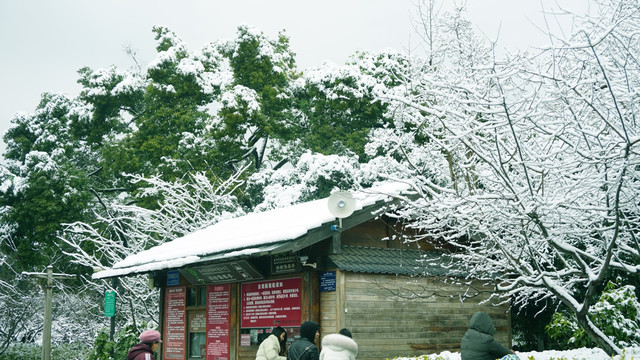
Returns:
(21,351)
(617,313)
(123,340)
(32,351)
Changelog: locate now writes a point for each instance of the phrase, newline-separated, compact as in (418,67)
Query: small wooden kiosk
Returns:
(224,287)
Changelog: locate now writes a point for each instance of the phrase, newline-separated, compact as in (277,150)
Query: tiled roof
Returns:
(390,261)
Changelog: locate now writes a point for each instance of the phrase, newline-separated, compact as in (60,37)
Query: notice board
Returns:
(218,313)
(175,323)
(271,303)
(328,281)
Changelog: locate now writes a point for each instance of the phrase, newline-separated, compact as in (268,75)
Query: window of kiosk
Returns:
(197,296)
(196,322)
(256,336)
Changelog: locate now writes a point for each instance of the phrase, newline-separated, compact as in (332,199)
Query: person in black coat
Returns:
(305,347)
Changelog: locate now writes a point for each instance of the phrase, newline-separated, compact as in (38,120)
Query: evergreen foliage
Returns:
(123,340)
(142,156)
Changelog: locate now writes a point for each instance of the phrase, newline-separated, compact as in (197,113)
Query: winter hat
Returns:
(150,336)
(308,330)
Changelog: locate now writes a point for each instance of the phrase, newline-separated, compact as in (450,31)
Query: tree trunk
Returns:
(598,336)
(540,342)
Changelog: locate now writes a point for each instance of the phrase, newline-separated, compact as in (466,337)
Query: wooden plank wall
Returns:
(328,313)
(385,325)
(331,317)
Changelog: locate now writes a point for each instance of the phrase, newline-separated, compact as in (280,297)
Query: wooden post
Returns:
(46,333)
(112,330)
(336,243)
(48,294)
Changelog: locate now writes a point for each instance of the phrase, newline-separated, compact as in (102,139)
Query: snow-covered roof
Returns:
(247,235)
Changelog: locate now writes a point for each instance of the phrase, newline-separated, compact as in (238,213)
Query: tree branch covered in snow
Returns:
(536,163)
(121,230)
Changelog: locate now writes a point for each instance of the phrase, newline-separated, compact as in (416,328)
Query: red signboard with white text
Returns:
(218,313)
(175,321)
(271,303)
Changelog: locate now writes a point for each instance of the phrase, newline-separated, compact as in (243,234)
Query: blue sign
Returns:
(173,278)
(328,281)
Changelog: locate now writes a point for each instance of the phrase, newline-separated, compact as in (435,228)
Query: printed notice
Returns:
(218,313)
(271,303)
(175,320)
(328,281)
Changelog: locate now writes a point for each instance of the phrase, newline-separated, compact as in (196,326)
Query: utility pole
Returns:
(46,333)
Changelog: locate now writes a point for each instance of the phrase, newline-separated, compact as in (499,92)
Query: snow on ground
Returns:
(576,354)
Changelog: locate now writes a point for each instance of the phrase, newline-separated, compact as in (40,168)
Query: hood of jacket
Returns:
(308,330)
(481,322)
(138,349)
(338,346)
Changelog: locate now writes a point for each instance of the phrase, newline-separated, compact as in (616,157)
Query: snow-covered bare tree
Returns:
(536,161)
(120,230)
(13,310)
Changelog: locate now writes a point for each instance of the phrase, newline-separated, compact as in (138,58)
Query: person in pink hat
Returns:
(149,344)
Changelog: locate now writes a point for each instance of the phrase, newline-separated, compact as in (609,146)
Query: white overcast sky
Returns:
(44,42)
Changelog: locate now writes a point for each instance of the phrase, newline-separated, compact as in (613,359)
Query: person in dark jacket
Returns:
(149,343)
(478,343)
(305,348)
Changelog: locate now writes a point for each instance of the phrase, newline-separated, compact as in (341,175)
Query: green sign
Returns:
(109,303)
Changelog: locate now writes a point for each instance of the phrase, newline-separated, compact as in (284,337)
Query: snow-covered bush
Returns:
(33,351)
(22,351)
(617,313)
(575,354)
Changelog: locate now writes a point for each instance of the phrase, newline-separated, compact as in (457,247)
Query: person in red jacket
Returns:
(149,343)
